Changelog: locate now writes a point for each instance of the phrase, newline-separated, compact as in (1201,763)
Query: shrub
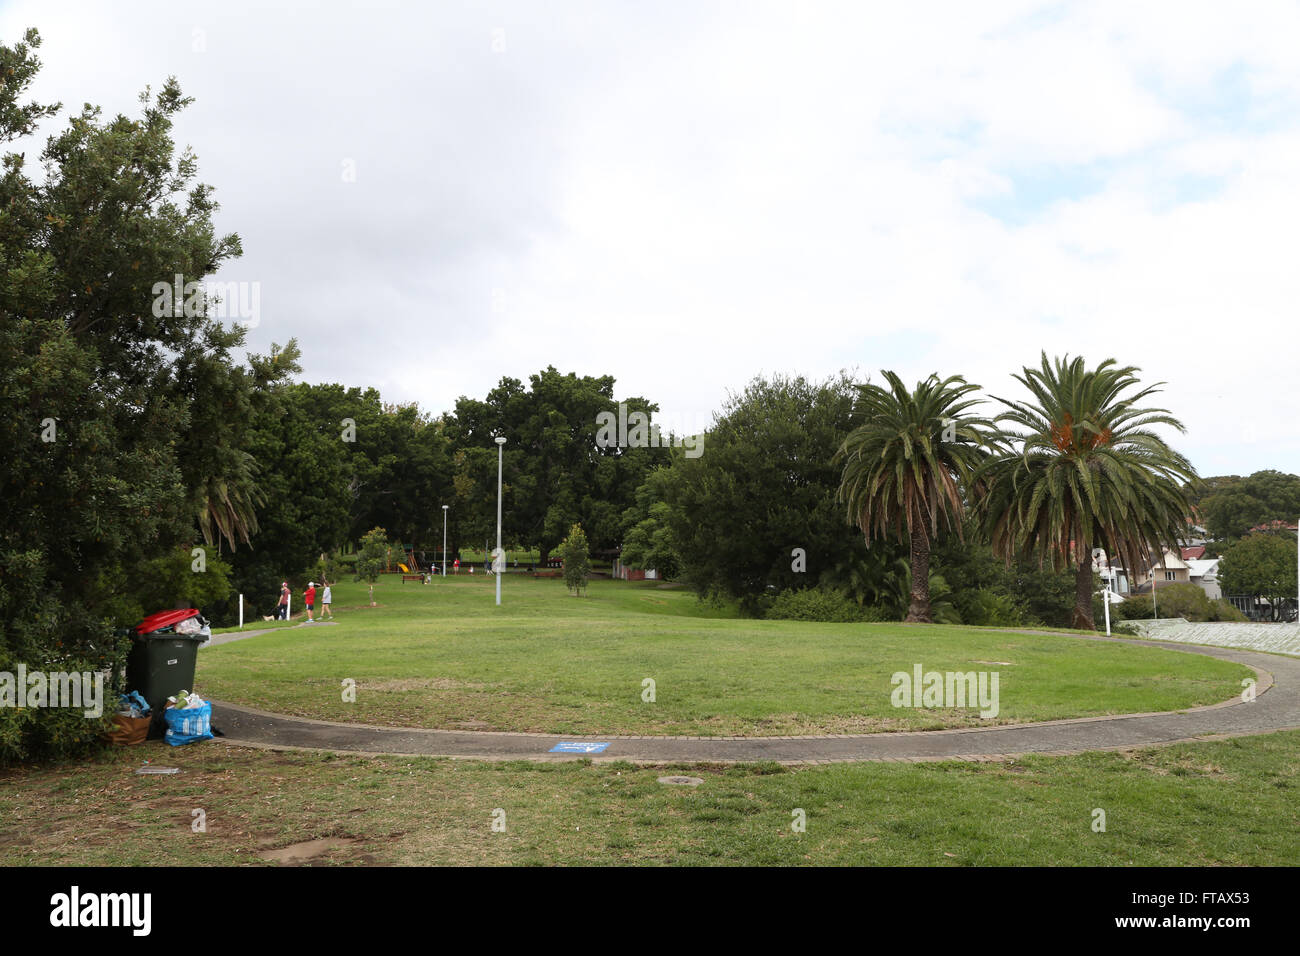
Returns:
(1178,600)
(372,558)
(36,734)
(1183,600)
(987,608)
(577,559)
(1135,607)
(1222,610)
(820,604)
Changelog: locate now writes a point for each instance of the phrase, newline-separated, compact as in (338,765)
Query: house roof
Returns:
(1170,562)
(1275,525)
(1194,552)
(1199,569)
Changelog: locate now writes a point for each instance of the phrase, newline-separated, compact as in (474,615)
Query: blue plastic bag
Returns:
(188,725)
(133,702)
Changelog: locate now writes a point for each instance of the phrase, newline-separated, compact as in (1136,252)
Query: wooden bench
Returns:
(412,577)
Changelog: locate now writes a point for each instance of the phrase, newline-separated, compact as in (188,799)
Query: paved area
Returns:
(244,635)
(1275,707)
(1277,638)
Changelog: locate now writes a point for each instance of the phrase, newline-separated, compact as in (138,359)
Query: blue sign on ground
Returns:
(578,747)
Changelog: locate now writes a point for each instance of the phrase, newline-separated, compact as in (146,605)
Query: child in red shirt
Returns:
(309,597)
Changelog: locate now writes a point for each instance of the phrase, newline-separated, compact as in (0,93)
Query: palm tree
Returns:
(1089,473)
(909,464)
(226,504)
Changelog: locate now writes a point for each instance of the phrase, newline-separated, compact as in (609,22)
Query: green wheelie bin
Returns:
(161,661)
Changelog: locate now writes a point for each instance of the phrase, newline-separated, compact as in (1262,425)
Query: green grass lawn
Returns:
(1230,802)
(443,655)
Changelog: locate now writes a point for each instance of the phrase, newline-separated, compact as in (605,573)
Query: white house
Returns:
(1204,573)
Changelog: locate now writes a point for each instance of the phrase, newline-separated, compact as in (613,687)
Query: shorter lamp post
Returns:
(444,541)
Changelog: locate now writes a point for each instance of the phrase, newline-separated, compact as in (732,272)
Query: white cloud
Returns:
(686,197)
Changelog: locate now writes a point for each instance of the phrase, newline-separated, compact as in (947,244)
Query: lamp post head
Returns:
(500,440)
(444,507)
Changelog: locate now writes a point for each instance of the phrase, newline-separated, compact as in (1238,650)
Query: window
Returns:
(1169,575)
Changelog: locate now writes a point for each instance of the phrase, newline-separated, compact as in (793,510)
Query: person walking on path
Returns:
(326,599)
(309,598)
(282,609)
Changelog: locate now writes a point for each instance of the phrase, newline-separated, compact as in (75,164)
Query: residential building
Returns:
(1204,573)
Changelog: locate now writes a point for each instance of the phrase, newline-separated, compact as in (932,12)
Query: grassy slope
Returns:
(1227,802)
(445,656)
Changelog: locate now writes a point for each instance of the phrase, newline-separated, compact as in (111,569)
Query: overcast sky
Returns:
(685,195)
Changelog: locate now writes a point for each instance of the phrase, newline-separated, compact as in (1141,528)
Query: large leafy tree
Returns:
(1261,564)
(763,487)
(648,538)
(304,485)
(555,471)
(910,466)
(402,470)
(334,462)
(122,424)
(1087,471)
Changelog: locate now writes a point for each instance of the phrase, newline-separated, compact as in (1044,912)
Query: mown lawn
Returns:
(444,655)
(1229,802)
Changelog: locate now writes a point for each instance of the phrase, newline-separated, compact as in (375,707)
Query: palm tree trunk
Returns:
(918,612)
(1082,617)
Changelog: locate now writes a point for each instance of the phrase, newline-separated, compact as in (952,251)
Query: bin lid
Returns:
(156,622)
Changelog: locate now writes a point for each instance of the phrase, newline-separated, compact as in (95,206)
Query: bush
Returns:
(36,734)
(577,559)
(372,558)
(1135,607)
(820,604)
(988,608)
(1222,610)
(1183,600)
(1177,600)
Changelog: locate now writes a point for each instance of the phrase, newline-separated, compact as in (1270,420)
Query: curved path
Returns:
(1276,707)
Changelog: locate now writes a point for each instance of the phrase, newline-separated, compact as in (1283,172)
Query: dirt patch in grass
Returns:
(419,683)
(308,851)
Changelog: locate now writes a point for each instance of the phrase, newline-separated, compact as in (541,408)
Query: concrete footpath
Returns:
(230,636)
(1276,707)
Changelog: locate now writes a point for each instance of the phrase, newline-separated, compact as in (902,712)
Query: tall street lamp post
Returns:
(444,541)
(500,455)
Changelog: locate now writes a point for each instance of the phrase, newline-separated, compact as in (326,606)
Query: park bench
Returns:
(408,575)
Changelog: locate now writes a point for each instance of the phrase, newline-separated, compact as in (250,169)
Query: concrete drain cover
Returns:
(682,781)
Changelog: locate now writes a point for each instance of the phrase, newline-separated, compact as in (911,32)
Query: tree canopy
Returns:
(1263,565)
(1236,505)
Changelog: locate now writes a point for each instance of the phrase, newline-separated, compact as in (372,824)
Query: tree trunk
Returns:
(918,612)
(1082,617)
